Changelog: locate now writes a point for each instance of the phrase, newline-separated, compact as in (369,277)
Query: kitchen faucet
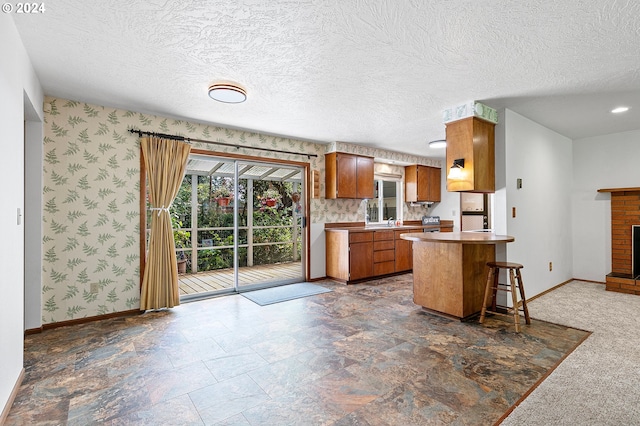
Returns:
(390,222)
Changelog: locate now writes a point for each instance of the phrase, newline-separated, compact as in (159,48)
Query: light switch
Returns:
(519,183)
(19,216)
(513,212)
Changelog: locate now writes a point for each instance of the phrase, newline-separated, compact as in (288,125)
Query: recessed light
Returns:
(618,110)
(440,143)
(229,93)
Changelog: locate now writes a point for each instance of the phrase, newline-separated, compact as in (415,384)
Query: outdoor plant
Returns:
(271,194)
(270,198)
(221,192)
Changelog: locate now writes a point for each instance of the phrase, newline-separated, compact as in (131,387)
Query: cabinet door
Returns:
(411,183)
(404,255)
(346,172)
(435,179)
(423,176)
(364,185)
(360,260)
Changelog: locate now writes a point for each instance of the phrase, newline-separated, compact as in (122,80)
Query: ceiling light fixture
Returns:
(620,109)
(229,93)
(440,143)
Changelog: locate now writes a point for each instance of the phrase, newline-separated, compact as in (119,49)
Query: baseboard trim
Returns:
(312,280)
(557,287)
(547,291)
(84,320)
(589,281)
(12,397)
(33,331)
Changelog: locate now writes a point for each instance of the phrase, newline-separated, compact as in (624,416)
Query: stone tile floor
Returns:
(361,355)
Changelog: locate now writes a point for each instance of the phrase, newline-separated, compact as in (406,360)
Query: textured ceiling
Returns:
(377,73)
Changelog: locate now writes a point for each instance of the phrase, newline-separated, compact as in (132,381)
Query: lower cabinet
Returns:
(404,253)
(383,253)
(354,255)
(360,257)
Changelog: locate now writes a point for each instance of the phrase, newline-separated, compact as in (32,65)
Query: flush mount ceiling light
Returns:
(440,143)
(229,93)
(620,109)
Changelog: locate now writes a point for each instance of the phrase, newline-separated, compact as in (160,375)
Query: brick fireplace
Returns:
(625,212)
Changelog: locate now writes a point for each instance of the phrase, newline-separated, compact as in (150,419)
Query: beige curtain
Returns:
(165,161)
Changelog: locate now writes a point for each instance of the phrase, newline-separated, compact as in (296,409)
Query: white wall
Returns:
(17,82)
(609,161)
(542,226)
(449,206)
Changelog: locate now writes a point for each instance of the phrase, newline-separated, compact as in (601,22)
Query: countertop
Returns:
(380,228)
(458,237)
(361,227)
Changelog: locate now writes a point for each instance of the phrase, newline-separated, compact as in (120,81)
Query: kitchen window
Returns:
(387,201)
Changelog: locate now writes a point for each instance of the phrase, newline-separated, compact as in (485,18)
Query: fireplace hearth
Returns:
(625,240)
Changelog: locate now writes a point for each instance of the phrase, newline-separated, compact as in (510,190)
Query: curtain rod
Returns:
(185,139)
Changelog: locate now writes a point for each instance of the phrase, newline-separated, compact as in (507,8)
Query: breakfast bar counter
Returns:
(449,270)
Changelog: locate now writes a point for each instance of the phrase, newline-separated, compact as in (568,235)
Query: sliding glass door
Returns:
(239,225)
(270,225)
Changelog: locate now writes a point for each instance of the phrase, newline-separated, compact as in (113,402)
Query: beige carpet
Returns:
(599,382)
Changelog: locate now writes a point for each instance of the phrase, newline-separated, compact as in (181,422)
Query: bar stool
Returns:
(515,281)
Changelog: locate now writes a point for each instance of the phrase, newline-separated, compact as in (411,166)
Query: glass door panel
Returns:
(238,225)
(273,224)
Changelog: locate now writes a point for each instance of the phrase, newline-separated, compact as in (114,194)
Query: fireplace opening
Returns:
(635,250)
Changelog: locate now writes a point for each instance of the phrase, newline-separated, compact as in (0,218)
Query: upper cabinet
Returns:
(472,140)
(422,183)
(348,176)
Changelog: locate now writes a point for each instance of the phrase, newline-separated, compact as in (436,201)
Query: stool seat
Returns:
(504,265)
(492,287)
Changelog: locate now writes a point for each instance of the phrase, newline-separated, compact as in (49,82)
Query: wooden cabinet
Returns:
(360,255)
(422,183)
(472,139)
(383,253)
(404,253)
(349,254)
(348,176)
(354,255)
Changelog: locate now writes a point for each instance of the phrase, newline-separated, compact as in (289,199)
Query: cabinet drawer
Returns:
(384,256)
(382,235)
(384,268)
(383,245)
(360,237)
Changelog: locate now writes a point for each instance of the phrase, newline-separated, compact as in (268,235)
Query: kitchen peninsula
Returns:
(449,270)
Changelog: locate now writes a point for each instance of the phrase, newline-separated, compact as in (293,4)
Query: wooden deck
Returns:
(223,278)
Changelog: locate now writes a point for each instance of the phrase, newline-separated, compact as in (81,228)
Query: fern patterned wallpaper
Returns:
(91,183)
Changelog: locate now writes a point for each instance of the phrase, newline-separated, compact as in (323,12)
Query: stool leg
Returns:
(514,298)
(524,300)
(487,291)
(494,297)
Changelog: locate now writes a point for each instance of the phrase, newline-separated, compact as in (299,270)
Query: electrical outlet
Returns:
(94,288)
(551,266)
